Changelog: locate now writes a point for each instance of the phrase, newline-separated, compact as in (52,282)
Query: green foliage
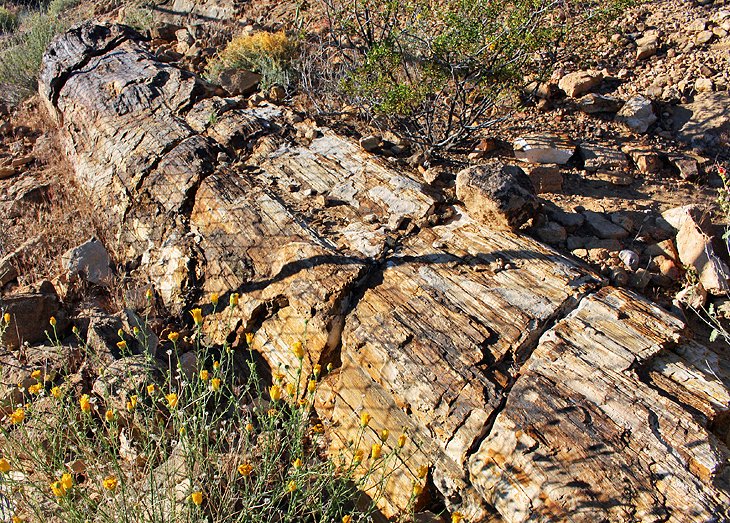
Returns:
(208,442)
(436,70)
(58,8)
(8,20)
(21,55)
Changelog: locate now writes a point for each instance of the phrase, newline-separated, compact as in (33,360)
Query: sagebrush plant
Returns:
(8,20)
(204,443)
(266,53)
(436,71)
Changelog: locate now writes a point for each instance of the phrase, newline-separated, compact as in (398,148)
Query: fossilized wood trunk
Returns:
(521,383)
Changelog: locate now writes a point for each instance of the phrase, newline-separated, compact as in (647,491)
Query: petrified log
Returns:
(434,320)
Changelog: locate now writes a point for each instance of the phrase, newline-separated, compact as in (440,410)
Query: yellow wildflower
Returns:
(110,483)
(215,384)
(132,402)
(318,428)
(275,393)
(291,389)
(172,399)
(234,300)
(109,415)
(85,403)
(359,454)
(197,498)
(58,489)
(16,519)
(17,416)
(36,374)
(278,376)
(149,295)
(297,463)
(204,375)
(214,299)
(312,386)
(292,486)
(417,489)
(182,431)
(173,336)
(249,427)
(365,419)
(298,350)
(4,466)
(245,469)
(457,517)
(402,440)
(197,315)
(151,388)
(376,451)
(120,333)
(135,331)
(56,392)
(67,481)
(347,519)
(422,471)
(52,321)
(122,345)
(317,370)
(35,389)
(6,317)
(249,338)
(384,435)
(216,365)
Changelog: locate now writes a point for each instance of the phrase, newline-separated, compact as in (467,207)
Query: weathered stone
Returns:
(30,313)
(544,148)
(598,103)
(578,83)
(637,114)
(239,81)
(370,143)
(692,296)
(498,195)
(629,258)
(695,248)
(647,46)
(580,386)
(603,227)
(688,168)
(89,261)
(551,233)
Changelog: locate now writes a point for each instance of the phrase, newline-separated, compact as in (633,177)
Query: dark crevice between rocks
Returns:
(511,365)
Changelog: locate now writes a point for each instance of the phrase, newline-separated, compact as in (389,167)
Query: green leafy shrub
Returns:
(265,53)
(437,71)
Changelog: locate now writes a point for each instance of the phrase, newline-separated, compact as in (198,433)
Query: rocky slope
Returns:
(528,385)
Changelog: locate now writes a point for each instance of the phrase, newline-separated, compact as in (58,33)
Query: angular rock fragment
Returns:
(637,114)
(544,148)
(500,196)
(597,103)
(578,83)
(89,260)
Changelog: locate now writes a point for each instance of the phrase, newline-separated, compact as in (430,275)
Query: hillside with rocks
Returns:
(530,308)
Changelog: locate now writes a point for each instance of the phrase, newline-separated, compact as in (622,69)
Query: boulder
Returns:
(544,148)
(598,157)
(580,82)
(30,313)
(498,195)
(545,178)
(89,261)
(637,114)
(695,248)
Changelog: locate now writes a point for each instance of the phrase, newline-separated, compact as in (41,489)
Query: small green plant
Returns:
(205,443)
(58,8)
(8,20)
(22,53)
(265,53)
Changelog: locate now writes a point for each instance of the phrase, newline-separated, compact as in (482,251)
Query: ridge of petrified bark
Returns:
(516,381)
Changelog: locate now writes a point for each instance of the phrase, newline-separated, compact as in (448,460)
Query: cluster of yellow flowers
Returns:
(61,487)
